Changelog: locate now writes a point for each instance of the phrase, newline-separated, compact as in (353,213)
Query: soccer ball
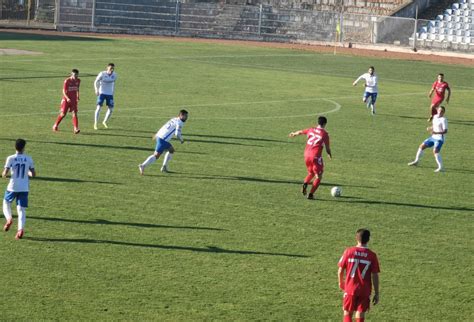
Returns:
(336,191)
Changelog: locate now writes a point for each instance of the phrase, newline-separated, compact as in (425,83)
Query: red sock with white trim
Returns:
(315,186)
(347,318)
(75,122)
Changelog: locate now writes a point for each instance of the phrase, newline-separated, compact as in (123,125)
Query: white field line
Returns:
(335,109)
(118,110)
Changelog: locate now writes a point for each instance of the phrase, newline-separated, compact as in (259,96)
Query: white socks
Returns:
(97,112)
(168,157)
(150,160)
(419,154)
(7,210)
(439,161)
(108,114)
(21,217)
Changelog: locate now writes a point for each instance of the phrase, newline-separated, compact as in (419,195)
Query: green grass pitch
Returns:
(227,235)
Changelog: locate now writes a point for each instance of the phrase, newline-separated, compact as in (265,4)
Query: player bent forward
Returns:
(317,138)
(436,140)
(361,268)
(162,137)
(21,167)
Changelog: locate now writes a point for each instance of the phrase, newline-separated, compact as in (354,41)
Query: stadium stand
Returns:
(455,25)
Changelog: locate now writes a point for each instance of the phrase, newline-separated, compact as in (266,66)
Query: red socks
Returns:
(360,319)
(308,178)
(315,186)
(58,120)
(347,318)
(75,122)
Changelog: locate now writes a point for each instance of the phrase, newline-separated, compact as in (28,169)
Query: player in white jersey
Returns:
(163,136)
(104,86)
(436,140)
(371,88)
(21,167)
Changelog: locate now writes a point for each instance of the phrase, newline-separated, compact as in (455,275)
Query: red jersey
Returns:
(359,263)
(317,137)
(440,88)
(71,87)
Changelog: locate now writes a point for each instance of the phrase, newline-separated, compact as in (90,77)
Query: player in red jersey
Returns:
(70,100)
(362,269)
(317,138)
(439,88)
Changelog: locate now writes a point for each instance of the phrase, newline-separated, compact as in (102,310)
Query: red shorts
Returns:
(315,165)
(352,303)
(436,101)
(68,107)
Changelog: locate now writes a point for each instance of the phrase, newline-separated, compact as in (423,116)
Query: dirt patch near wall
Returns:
(379,51)
(15,52)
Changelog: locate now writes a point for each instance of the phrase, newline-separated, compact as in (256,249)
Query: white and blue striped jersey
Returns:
(19,164)
(172,127)
(105,83)
(371,82)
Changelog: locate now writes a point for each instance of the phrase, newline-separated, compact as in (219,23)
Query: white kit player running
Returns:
(104,86)
(436,140)
(371,88)
(163,136)
(21,167)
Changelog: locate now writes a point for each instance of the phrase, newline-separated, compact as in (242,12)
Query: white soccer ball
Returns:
(336,191)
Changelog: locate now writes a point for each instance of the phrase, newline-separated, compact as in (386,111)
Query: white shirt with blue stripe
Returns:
(19,164)
(172,127)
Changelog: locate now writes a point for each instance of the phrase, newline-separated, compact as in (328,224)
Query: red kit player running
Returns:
(317,138)
(362,268)
(70,100)
(439,88)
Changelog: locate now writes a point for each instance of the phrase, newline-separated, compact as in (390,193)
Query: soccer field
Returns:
(227,234)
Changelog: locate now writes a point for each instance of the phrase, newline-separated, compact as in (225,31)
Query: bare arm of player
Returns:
(431,92)
(32,173)
(65,93)
(340,277)
(328,149)
(293,134)
(5,172)
(357,80)
(375,282)
(96,84)
(449,94)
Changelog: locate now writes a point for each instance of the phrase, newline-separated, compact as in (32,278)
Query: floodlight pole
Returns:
(260,19)
(176,18)
(56,13)
(28,15)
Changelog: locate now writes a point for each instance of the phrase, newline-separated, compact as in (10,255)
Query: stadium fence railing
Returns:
(217,20)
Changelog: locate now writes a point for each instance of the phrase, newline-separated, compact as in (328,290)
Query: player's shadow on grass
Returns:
(223,142)
(120,223)
(450,121)
(240,138)
(207,249)
(70,180)
(262,180)
(402,204)
(47,37)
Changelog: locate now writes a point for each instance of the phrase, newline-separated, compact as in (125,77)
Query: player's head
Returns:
(110,68)
(440,77)
(75,73)
(441,110)
(363,236)
(20,145)
(322,121)
(371,70)
(183,115)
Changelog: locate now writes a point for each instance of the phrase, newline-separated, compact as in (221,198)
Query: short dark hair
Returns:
(441,74)
(442,107)
(75,71)
(372,67)
(111,65)
(20,144)
(363,235)
(183,112)
(322,120)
